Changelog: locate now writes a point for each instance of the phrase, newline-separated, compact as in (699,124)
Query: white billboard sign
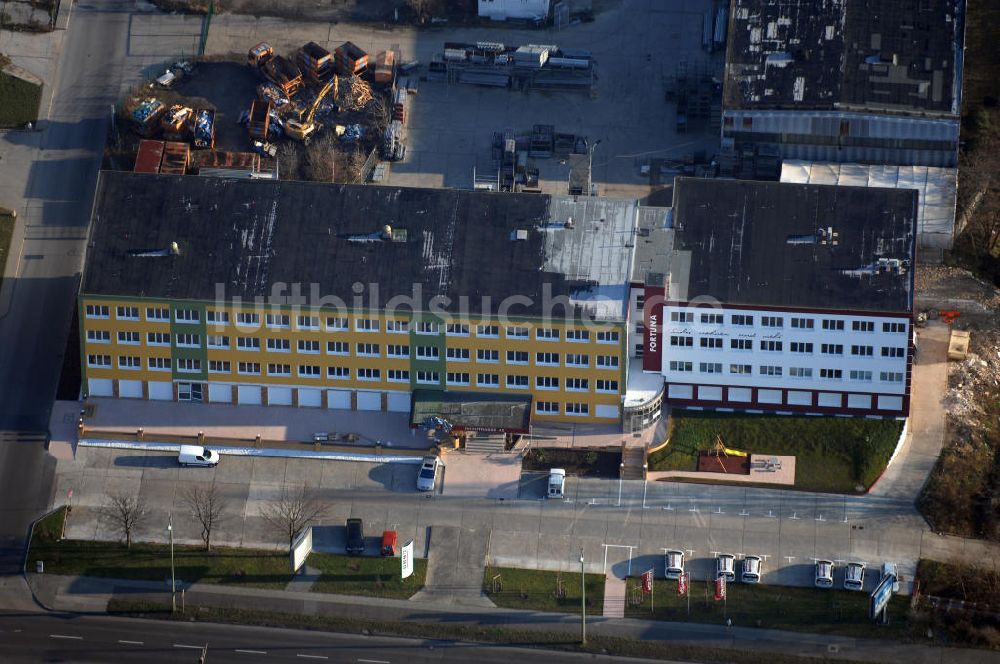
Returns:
(302,546)
(406,560)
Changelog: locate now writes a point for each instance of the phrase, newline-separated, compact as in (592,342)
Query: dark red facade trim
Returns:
(814,407)
(652,318)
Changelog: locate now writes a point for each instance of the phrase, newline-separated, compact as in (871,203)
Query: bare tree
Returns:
(291,511)
(125,512)
(206,505)
(380,111)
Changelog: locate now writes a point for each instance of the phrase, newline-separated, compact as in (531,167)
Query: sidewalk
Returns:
(91,595)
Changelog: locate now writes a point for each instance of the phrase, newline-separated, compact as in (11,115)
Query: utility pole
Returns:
(583,602)
(173,578)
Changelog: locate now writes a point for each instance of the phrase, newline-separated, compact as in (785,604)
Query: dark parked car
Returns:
(355,537)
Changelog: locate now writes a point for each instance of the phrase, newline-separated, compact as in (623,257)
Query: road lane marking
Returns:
(130,643)
(65,636)
(251,652)
(373,661)
(181,645)
(312,656)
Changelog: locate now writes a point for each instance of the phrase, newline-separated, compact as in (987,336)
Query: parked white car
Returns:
(427,477)
(751,569)
(854,577)
(196,455)
(557,483)
(824,574)
(673,564)
(725,565)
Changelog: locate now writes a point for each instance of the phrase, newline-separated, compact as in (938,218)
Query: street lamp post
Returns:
(173,578)
(590,168)
(583,602)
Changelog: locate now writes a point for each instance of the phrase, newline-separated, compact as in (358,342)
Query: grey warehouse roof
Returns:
(865,55)
(794,245)
(250,234)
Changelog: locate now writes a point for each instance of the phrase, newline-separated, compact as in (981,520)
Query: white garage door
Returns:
(399,402)
(680,392)
(606,410)
(338,399)
(743,394)
(279,396)
(100,387)
(130,389)
(220,393)
(160,390)
(369,400)
(310,398)
(248,394)
(890,403)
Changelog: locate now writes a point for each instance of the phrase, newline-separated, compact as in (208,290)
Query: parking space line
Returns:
(65,636)
(250,652)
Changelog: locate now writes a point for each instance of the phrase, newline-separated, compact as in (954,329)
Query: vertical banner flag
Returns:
(720,589)
(647,582)
(406,559)
(682,584)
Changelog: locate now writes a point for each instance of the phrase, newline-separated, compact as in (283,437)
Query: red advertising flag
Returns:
(647,582)
(720,589)
(682,584)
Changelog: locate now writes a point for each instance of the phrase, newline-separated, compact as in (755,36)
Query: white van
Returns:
(557,482)
(196,455)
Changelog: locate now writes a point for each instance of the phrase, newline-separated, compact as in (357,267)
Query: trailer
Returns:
(146,116)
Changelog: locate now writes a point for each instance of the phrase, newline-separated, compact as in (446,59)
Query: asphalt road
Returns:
(54,638)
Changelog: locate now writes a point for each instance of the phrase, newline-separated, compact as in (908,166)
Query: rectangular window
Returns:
(308,346)
(428,353)
(684,342)
(98,311)
(547,359)
(104,337)
(712,319)
(831,349)
(456,330)
(547,382)
(577,384)
(710,367)
(863,325)
(455,354)
(428,378)
(366,325)
(834,374)
(488,380)
(578,336)
(771,346)
(338,373)
(681,316)
(427,327)
(188,365)
(863,376)
(132,363)
(741,344)
(892,351)
(772,321)
(367,350)
(487,356)
(605,385)
(517,357)
(336,324)
(862,351)
(710,342)
(890,377)
(398,376)
(547,334)
(338,348)
(457,378)
(99,361)
(490,331)
(218,342)
(516,332)
(681,366)
(277,320)
(279,345)
(159,364)
(397,327)
(396,350)
(187,316)
(129,338)
(577,360)
(247,319)
(607,361)
(607,337)
(219,366)
(547,407)
(217,317)
(369,374)
(770,370)
(309,371)
(307,322)
(801,347)
(517,382)
(740,369)
(279,370)
(247,343)
(831,324)
(158,314)
(800,372)
(127,313)
(579,409)
(188,340)
(894,328)
(741,319)
(803,323)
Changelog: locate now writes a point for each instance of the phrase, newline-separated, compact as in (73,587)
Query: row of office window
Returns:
(772,346)
(798,323)
(552,408)
(681,366)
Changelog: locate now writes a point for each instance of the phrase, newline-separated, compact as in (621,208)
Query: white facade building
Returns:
(501,10)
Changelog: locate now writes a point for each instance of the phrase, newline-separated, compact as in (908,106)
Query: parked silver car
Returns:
(427,477)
